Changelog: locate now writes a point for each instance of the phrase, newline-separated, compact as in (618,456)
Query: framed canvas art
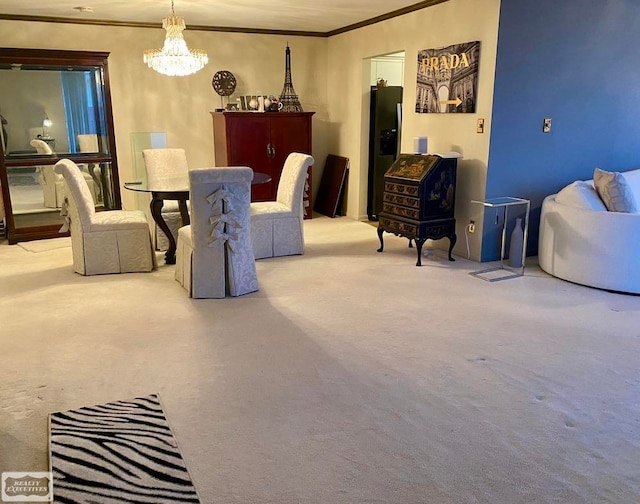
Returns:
(447,80)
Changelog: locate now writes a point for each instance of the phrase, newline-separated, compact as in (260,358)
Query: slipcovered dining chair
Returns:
(117,241)
(214,255)
(162,165)
(52,183)
(88,142)
(276,226)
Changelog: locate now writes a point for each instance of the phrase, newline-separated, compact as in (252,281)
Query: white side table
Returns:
(493,274)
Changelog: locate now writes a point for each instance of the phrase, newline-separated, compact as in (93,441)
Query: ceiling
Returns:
(319,17)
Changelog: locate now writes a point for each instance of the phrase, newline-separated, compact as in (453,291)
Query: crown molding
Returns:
(131,24)
(384,17)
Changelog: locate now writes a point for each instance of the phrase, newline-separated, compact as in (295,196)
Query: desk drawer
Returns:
(395,187)
(400,211)
(398,227)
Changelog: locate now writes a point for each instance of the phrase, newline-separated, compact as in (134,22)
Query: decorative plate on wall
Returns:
(224,83)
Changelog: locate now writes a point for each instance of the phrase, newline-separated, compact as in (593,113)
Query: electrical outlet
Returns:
(480,126)
(472,226)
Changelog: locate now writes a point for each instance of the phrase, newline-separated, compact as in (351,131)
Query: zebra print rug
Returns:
(118,452)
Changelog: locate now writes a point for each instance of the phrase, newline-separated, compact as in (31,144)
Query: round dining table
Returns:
(174,189)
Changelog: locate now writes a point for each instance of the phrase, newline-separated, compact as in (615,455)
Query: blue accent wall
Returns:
(577,62)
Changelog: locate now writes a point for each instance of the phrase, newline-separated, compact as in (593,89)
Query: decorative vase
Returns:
(516,244)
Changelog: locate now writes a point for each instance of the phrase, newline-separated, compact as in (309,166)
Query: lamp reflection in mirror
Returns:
(175,58)
(46,124)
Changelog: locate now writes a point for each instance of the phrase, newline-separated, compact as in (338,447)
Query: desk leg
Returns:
(156,213)
(380,231)
(419,244)
(452,241)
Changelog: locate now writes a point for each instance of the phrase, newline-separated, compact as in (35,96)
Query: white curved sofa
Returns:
(582,242)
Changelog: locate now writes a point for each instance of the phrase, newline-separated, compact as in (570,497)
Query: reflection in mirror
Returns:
(32,203)
(58,106)
(37,192)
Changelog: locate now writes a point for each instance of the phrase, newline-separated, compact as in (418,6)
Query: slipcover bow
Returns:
(229,238)
(217,221)
(222,222)
(222,195)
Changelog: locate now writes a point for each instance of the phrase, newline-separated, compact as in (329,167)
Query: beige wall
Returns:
(144,100)
(349,70)
(25,98)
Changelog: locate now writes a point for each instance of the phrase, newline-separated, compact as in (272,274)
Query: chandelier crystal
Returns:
(175,58)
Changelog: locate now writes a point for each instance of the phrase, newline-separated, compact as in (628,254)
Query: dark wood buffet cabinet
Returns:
(262,141)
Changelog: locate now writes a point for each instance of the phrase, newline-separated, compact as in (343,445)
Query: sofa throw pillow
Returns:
(581,194)
(632,177)
(614,191)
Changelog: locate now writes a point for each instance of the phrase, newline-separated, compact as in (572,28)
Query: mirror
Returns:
(54,104)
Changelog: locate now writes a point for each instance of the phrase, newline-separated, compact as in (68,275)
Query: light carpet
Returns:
(122,451)
(350,377)
(37,246)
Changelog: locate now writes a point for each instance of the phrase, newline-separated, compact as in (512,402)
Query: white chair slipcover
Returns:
(276,226)
(88,142)
(117,241)
(52,183)
(214,255)
(162,165)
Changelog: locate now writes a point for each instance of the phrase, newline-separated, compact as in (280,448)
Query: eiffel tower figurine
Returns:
(288,97)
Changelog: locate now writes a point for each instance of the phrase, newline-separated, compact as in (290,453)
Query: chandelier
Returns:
(175,58)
